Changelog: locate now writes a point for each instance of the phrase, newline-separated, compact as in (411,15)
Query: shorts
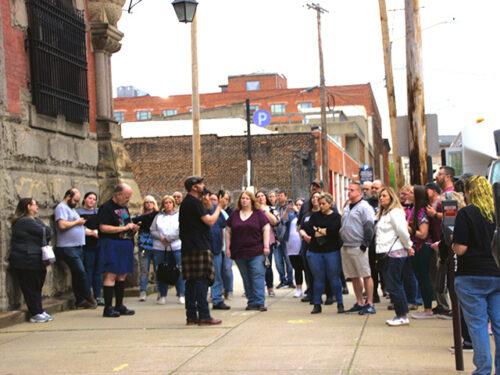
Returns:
(117,256)
(355,262)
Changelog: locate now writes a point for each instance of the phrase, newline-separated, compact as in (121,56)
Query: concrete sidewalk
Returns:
(287,339)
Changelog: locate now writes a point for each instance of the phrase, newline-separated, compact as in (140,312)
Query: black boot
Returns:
(316,309)
(340,308)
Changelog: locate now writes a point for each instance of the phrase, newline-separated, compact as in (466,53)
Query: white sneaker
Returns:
(397,321)
(162,301)
(48,316)
(298,294)
(39,318)
(422,315)
(181,300)
(142,297)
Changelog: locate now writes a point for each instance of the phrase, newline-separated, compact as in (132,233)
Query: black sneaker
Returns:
(466,348)
(306,299)
(367,309)
(282,285)
(345,290)
(291,285)
(109,312)
(330,300)
(355,309)
(123,310)
(221,306)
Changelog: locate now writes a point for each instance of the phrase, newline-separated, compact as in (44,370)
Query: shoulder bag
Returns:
(167,273)
(48,256)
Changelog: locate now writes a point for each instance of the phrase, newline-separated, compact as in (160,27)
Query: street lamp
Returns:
(186,11)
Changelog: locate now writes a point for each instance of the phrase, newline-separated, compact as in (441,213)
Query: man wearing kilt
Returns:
(116,238)
(197,258)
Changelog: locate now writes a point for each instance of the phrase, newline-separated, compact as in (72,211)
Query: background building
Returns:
(353,120)
(56,118)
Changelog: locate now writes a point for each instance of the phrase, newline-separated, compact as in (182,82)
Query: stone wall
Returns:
(41,156)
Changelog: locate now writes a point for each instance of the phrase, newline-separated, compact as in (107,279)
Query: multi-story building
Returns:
(353,119)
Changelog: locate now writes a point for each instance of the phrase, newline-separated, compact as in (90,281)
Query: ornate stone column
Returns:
(114,163)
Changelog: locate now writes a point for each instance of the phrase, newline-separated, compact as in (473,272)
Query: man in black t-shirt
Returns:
(197,259)
(116,234)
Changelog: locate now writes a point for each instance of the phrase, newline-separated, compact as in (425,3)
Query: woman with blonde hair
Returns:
(393,246)
(247,242)
(167,245)
(477,279)
(145,241)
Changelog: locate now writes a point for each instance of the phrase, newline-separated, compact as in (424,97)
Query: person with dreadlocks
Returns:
(477,281)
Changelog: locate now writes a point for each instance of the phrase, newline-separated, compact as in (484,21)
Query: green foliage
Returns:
(392,176)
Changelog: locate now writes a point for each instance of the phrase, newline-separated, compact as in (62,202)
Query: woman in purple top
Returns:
(418,226)
(247,242)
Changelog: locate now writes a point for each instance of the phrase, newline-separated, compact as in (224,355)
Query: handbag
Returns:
(167,273)
(48,256)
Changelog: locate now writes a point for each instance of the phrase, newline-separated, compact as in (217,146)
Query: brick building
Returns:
(279,160)
(56,117)
(353,118)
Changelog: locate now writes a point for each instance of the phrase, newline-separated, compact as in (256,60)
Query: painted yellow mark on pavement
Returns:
(300,321)
(120,367)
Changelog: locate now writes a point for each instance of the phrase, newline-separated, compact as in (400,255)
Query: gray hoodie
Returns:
(357,224)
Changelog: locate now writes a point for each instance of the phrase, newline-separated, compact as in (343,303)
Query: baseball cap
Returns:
(191,181)
(318,183)
(433,186)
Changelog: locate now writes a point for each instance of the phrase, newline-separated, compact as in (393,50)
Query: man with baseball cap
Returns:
(197,258)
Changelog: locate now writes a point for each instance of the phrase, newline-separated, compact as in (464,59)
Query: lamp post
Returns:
(186,12)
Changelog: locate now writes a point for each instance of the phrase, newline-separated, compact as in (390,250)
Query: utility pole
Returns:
(391,97)
(195,99)
(324,127)
(249,145)
(415,94)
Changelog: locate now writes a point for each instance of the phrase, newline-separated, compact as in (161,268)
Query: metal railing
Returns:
(58,59)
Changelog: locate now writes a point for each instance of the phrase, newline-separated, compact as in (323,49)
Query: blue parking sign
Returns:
(262,118)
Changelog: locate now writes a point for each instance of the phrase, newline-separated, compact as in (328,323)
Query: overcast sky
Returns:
(460,50)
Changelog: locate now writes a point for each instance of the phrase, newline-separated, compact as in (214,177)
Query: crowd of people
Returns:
(389,245)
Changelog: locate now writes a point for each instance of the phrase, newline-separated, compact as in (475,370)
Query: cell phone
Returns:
(290,201)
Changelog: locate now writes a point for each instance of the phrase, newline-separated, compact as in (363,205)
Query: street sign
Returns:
(403,129)
(262,118)
(365,173)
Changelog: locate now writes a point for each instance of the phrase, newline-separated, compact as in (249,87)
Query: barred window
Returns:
(58,59)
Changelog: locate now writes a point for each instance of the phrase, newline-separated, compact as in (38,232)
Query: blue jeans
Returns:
(217,286)
(145,259)
(227,273)
(73,257)
(325,266)
(174,257)
(252,272)
(93,266)
(196,299)
(410,286)
(395,270)
(281,258)
(479,298)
